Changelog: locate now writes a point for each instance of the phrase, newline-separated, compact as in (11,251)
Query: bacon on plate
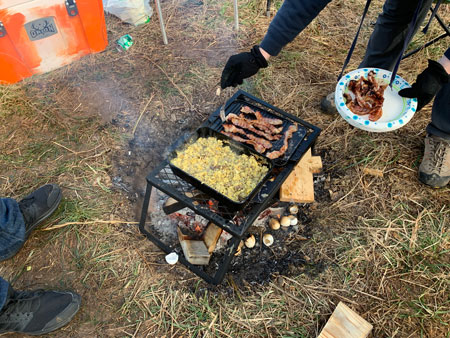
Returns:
(365,96)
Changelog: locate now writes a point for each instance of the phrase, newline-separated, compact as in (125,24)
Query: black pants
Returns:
(386,43)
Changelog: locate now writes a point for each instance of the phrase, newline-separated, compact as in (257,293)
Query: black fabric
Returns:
(290,20)
(242,66)
(30,311)
(409,35)
(427,84)
(355,39)
(391,29)
(39,205)
(440,115)
(51,304)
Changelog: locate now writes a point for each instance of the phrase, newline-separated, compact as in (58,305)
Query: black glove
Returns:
(242,66)
(427,84)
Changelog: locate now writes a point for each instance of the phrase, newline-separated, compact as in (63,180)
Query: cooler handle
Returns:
(71,7)
(2,30)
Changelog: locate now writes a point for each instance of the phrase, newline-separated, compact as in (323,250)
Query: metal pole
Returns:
(161,21)
(236,15)
(268,8)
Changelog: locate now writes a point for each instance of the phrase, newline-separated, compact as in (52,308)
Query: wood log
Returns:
(195,251)
(211,236)
(299,186)
(345,323)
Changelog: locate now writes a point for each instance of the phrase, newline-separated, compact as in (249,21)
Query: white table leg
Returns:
(236,15)
(161,21)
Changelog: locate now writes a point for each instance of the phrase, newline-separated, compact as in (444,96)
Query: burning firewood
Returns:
(239,249)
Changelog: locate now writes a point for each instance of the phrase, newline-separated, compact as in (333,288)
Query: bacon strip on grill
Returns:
(244,123)
(258,147)
(277,153)
(231,128)
(263,126)
(367,98)
(247,110)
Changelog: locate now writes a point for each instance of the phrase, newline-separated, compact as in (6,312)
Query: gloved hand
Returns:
(242,66)
(427,84)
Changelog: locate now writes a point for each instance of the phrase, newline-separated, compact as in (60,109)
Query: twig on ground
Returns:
(142,113)
(286,293)
(76,152)
(88,222)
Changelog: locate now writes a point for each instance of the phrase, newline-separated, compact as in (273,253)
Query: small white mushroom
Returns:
(274,224)
(285,221)
(250,241)
(293,209)
(293,219)
(268,239)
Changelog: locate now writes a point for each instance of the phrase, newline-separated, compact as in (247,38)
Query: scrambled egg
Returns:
(215,164)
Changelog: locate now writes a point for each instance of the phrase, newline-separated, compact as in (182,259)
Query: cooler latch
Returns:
(71,7)
(2,30)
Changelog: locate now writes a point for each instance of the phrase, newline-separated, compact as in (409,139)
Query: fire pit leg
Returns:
(148,192)
(220,273)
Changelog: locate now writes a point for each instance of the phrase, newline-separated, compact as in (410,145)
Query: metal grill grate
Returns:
(234,222)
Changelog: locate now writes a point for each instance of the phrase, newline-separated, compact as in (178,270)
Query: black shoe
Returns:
(38,312)
(327,105)
(39,205)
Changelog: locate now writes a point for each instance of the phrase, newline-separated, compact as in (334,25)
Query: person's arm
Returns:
(290,20)
(430,81)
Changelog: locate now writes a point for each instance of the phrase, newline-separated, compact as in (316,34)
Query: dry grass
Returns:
(92,128)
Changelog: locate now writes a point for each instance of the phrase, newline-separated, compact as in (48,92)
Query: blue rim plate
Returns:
(397,110)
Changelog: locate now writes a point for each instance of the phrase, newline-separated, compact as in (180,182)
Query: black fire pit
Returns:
(235,222)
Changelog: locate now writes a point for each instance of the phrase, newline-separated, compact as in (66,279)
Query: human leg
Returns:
(4,287)
(435,167)
(387,39)
(440,114)
(19,219)
(391,28)
(12,228)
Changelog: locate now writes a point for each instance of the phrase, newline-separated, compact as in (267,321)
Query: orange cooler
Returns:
(37,36)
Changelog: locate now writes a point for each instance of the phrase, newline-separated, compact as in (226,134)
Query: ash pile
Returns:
(271,247)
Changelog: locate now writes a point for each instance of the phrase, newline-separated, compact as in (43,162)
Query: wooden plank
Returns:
(194,251)
(211,236)
(345,323)
(299,186)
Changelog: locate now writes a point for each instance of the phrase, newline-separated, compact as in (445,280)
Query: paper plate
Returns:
(397,110)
